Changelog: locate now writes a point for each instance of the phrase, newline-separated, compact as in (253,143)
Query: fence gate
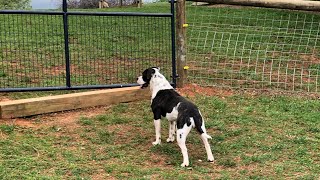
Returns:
(41,50)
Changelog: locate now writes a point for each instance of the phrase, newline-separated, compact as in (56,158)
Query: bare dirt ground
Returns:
(59,119)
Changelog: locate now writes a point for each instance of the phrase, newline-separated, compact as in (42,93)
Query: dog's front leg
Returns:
(157,125)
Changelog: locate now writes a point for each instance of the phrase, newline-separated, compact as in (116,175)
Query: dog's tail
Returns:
(199,124)
(207,136)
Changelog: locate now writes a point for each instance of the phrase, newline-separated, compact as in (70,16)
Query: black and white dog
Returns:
(182,114)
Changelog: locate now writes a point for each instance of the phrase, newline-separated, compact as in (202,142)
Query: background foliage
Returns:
(15,4)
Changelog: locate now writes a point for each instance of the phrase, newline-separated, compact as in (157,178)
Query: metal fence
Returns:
(77,50)
(253,48)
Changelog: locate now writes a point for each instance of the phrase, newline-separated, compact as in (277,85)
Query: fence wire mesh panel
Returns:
(253,48)
(41,50)
(32,51)
(107,50)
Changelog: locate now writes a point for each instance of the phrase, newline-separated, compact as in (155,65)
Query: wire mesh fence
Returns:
(32,51)
(104,49)
(107,50)
(253,48)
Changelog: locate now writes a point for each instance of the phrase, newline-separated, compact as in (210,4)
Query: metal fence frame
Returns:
(65,14)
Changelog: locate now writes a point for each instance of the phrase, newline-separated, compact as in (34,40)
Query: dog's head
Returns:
(147,74)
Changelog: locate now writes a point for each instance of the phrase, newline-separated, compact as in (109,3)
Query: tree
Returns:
(89,4)
(15,4)
(73,3)
(83,4)
(92,4)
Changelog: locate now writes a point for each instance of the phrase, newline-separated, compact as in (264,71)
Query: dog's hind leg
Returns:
(181,139)
(204,136)
(199,124)
(172,131)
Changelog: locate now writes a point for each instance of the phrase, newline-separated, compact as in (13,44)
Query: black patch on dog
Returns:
(167,99)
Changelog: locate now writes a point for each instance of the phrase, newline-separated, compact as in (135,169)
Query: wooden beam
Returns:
(281,4)
(34,106)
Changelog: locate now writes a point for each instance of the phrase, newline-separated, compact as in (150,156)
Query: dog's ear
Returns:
(155,67)
(147,74)
(150,73)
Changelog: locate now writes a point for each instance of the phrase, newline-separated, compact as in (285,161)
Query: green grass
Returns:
(254,137)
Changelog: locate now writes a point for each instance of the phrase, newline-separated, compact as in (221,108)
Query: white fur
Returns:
(172,130)
(158,82)
(157,125)
(172,117)
(140,80)
(174,114)
(181,139)
(205,138)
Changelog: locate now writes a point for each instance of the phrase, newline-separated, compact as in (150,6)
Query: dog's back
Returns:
(166,101)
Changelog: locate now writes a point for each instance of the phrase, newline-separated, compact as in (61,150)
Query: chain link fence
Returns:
(253,48)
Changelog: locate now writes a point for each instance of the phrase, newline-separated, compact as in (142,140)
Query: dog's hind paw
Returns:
(170,140)
(156,143)
(184,165)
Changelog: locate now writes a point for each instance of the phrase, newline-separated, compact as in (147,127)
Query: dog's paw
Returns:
(185,164)
(170,140)
(156,143)
(211,160)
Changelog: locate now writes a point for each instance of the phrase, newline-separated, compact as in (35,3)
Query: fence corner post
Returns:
(181,42)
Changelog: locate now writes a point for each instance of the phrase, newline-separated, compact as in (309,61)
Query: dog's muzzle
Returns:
(141,82)
(144,85)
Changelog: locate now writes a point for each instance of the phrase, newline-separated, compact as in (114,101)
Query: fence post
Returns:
(181,42)
(66,42)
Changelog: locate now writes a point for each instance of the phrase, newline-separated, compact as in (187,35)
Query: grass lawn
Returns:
(254,137)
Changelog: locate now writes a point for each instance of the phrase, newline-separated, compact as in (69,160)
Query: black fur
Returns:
(167,99)
(146,76)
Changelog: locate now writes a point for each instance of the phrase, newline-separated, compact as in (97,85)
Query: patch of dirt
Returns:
(4,99)
(191,90)
(66,119)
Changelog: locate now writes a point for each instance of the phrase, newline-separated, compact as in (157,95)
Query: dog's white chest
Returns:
(173,115)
